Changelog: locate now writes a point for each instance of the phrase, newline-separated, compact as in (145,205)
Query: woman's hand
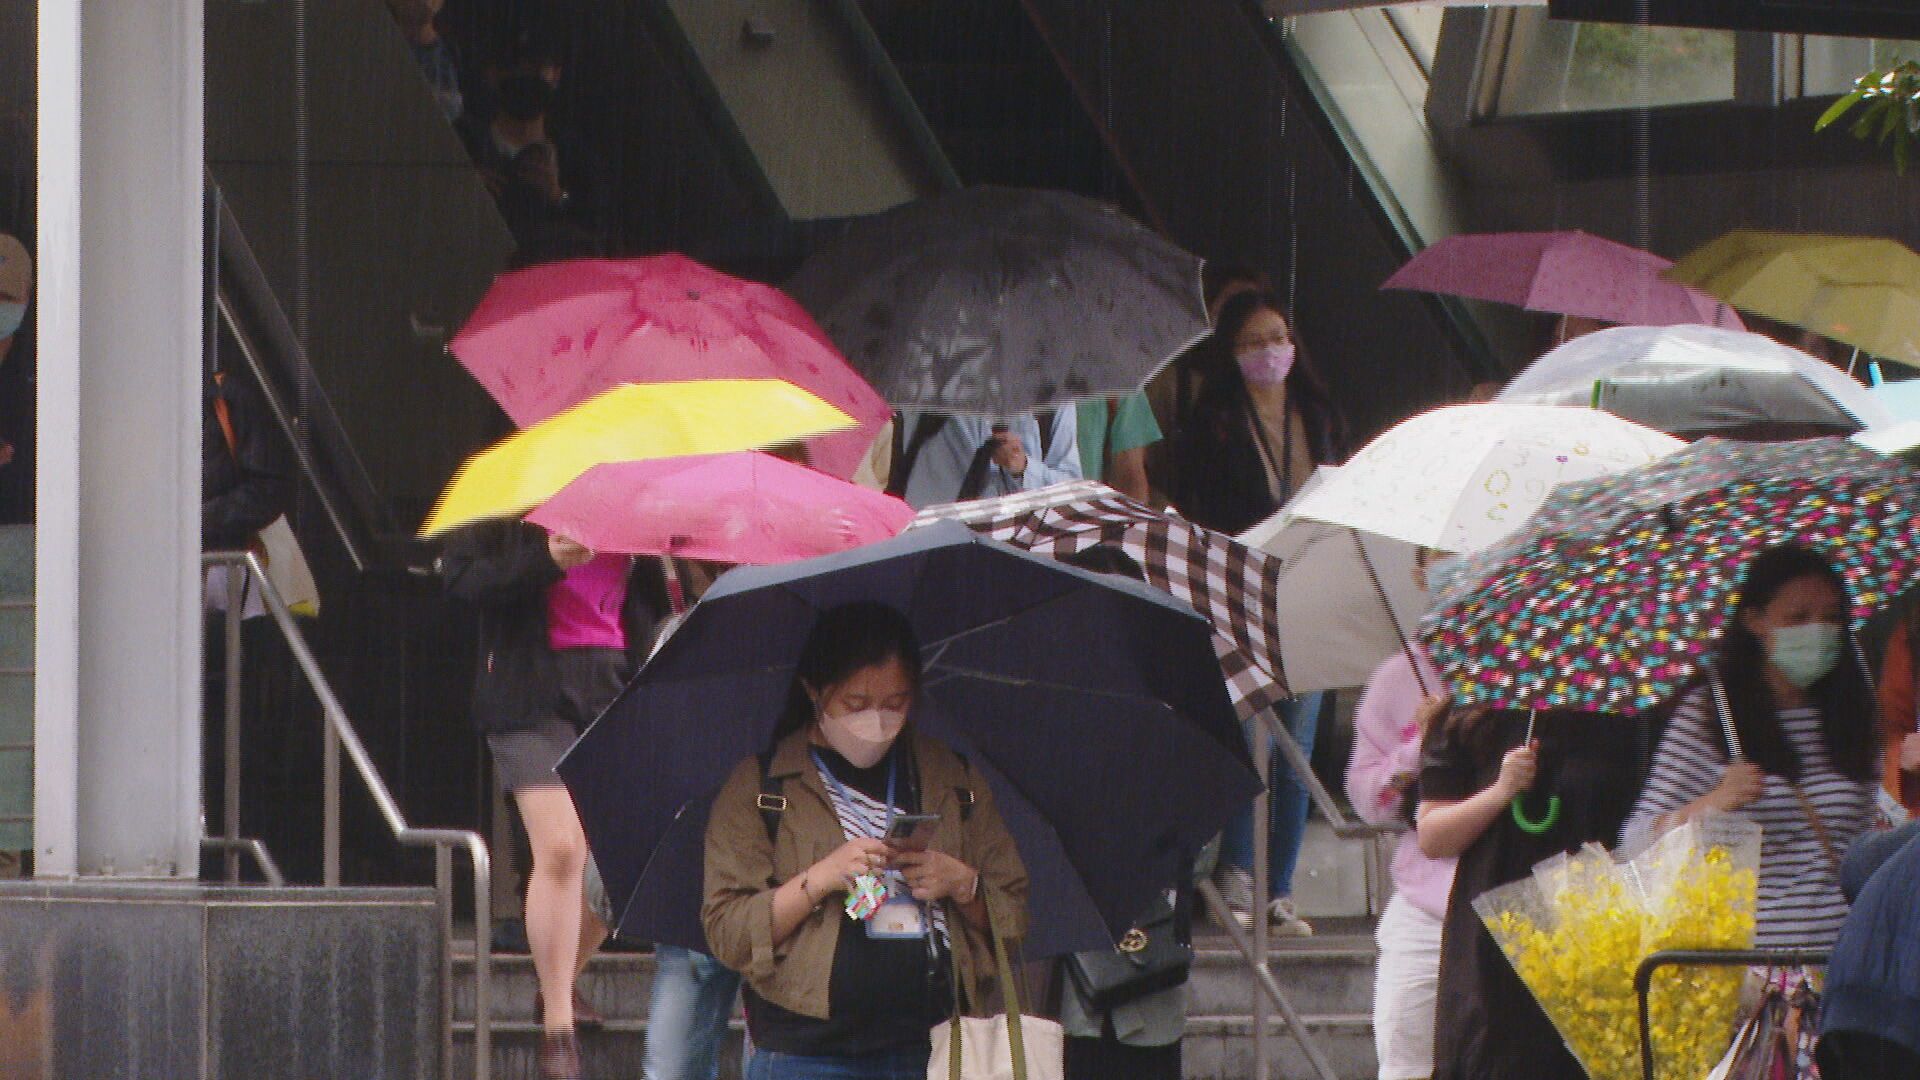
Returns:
(1518,769)
(567,552)
(934,875)
(1741,784)
(836,872)
(1910,753)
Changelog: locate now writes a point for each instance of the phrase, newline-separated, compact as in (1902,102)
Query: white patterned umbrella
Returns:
(1232,586)
(1458,478)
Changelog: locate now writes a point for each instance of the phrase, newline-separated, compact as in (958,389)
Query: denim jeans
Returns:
(692,999)
(902,1065)
(1286,804)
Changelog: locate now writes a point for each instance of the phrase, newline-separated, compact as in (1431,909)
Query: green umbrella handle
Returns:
(1530,826)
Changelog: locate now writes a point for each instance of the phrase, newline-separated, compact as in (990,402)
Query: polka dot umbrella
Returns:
(1616,587)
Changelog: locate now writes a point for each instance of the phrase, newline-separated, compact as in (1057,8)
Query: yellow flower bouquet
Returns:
(1577,930)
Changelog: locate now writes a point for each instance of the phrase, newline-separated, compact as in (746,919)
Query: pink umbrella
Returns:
(748,507)
(1563,273)
(549,337)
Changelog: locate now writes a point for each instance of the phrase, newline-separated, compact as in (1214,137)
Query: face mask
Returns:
(1804,654)
(11,316)
(862,737)
(1267,365)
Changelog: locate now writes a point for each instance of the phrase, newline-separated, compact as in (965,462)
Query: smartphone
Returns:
(912,832)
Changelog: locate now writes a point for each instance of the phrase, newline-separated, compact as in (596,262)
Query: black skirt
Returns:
(589,680)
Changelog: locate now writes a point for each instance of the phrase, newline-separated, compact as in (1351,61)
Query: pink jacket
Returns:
(1386,745)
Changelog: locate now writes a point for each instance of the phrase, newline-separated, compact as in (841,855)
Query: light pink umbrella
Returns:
(1562,273)
(747,507)
(549,337)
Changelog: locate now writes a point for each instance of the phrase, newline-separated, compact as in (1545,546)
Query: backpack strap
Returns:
(770,801)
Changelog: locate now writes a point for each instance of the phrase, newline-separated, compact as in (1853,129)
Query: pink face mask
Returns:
(1267,365)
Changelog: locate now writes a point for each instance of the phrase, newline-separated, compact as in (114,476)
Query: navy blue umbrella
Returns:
(1093,705)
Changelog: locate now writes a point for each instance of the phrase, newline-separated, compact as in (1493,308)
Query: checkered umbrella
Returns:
(1232,586)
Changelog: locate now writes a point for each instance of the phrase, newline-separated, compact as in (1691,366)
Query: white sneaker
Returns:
(1285,923)
(1236,889)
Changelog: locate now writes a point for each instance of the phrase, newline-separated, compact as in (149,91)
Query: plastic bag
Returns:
(1577,929)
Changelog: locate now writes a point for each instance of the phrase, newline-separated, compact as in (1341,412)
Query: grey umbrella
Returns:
(995,301)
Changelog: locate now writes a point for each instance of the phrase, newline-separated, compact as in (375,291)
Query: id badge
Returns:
(898,917)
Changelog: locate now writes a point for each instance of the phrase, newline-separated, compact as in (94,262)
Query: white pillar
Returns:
(117,651)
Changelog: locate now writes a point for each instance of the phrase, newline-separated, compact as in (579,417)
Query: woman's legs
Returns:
(1404,987)
(554,896)
(1288,804)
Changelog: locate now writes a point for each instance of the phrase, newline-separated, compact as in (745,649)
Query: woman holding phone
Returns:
(852,943)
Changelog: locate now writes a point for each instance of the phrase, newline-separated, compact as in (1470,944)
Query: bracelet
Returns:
(811,902)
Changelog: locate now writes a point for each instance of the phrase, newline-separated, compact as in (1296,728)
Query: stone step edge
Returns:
(1229,1024)
(1206,955)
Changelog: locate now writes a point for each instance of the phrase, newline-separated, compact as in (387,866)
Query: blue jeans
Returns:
(1286,804)
(902,1065)
(692,999)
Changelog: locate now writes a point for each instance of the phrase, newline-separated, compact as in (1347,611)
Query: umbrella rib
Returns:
(1046,684)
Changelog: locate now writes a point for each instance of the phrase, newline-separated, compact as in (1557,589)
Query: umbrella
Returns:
(1862,290)
(997,301)
(549,337)
(1230,585)
(1460,477)
(1345,600)
(1605,601)
(745,507)
(629,423)
(1091,705)
(1693,380)
(1564,273)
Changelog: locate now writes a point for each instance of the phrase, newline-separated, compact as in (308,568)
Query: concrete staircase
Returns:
(1329,978)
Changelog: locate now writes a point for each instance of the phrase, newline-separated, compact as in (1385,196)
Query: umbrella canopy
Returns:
(1697,380)
(1091,704)
(629,423)
(1345,600)
(549,337)
(1606,600)
(1862,290)
(1229,584)
(1564,273)
(745,507)
(997,301)
(1459,478)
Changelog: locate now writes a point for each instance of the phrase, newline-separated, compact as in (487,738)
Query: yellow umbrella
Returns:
(635,422)
(1862,290)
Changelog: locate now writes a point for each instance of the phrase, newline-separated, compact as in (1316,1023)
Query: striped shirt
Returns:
(1800,902)
(862,815)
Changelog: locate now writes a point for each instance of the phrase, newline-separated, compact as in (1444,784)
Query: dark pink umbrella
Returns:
(549,337)
(1562,273)
(735,508)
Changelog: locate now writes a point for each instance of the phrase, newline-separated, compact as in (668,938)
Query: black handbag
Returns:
(1150,958)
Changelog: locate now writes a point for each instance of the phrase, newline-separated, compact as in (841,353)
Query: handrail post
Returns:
(235,580)
(443,908)
(482,956)
(330,805)
(1263,740)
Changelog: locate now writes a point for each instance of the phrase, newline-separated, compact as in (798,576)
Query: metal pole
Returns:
(482,956)
(330,805)
(443,900)
(1262,828)
(236,581)
(1263,975)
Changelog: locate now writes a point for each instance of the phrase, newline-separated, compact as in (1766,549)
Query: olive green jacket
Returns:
(743,870)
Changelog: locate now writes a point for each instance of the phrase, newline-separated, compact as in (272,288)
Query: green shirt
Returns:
(1133,427)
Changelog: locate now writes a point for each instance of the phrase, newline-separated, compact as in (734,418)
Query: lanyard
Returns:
(893,771)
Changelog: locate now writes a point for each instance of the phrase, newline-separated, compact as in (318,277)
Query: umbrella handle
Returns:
(1530,826)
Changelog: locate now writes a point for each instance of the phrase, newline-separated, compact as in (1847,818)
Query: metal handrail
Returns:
(339,732)
(1643,977)
(1263,975)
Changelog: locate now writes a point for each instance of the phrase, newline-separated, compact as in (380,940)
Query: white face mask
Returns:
(862,737)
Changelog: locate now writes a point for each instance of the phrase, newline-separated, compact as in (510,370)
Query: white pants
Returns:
(1403,991)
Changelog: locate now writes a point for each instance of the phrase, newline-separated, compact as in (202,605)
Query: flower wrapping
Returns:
(1578,928)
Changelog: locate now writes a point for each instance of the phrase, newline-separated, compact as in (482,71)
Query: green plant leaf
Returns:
(1838,109)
